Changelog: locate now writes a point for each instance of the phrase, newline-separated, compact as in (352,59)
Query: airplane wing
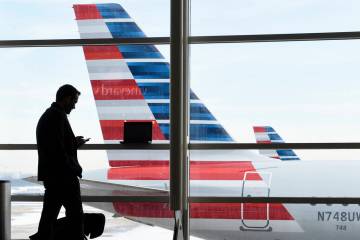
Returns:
(95,188)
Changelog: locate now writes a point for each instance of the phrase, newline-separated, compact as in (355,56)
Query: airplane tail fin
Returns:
(131,83)
(267,135)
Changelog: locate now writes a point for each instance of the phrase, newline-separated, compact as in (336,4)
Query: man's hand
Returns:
(80,140)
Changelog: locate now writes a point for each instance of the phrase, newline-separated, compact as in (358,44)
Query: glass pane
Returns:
(57,20)
(234,17)
(273,221)
(33,75)
(273,93)
(303,92)
(118,84)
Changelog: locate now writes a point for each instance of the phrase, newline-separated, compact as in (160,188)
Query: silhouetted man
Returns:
(58,166)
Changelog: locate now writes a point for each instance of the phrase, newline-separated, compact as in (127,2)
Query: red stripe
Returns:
(199,170)
(253,211)
(259,129)
(264,142)
(116,89)
(114,129)
(101,52)
(86,11)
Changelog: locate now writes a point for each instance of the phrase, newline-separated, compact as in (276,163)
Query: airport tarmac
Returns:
(25,217)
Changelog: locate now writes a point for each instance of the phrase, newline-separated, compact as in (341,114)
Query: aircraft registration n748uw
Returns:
(131,83)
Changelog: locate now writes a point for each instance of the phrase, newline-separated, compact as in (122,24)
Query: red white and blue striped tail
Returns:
(131,83)
(267,135)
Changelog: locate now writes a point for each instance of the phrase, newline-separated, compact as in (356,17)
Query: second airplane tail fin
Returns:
(267,135)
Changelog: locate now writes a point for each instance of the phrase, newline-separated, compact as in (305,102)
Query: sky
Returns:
(308,91)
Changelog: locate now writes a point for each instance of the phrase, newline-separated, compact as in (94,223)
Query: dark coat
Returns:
(57,146)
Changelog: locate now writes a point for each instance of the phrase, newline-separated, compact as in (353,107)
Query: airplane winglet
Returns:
(267,135)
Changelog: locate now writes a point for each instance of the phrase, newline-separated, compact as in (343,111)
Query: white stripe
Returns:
(94,29)
(129,155)
(262,137)
(270,153)
(110,76)
(203,141)
(163,121)
(91,26)
(106,65)
(162,60)
(109,69)
(123,110)
(157,100)
(212,122)
(87,22)
(117,141)
(118,20)
(95,35)
(152,80)
(168,101)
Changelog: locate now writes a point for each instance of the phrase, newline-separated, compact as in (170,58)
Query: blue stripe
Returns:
(288,159)
(124,30)
(269,129)
(149,70)
(155,90)
(274,136)
(285,152)
(197,111)
(208,132)
(202,132)
(112,10)
(193,95)
(165,130)
(139,51)
(160,110)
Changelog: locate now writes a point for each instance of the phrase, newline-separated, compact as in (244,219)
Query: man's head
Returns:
(67,96)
